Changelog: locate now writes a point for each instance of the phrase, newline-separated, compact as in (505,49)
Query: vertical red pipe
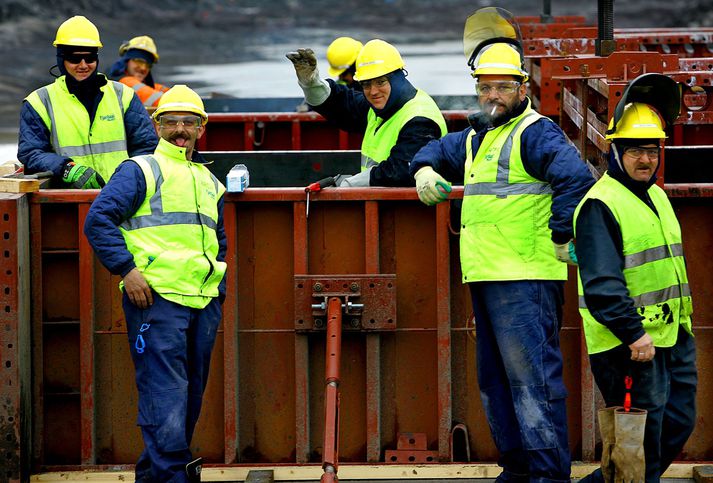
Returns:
(330,456)
(86,342)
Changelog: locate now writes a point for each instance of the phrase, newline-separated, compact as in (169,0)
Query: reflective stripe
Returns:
(138,86)
(153,98)
(164,219)
(367,162)
(93,149)
(86,149)
(119,90)
(655,297)
(503,189)
(652,255)
(157,216)
(44,96)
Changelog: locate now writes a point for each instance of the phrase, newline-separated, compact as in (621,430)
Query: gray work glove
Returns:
(628,452)
(606,430)
(358,180)
(564,252)
(316,90)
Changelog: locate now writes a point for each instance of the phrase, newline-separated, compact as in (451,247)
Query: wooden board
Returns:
(19,185)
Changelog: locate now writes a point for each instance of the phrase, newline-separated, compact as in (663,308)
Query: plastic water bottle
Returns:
(238,179)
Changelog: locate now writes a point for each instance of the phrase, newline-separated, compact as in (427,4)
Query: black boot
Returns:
(193,470)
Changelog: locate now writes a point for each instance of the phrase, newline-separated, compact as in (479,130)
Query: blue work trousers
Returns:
(519,367)
(664,386)
(170,346)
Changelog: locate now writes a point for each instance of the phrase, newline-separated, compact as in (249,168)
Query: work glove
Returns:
(316,90)
(431,187)
(82,177)
(358,180)
(628,452)
(565,252)
(606,430)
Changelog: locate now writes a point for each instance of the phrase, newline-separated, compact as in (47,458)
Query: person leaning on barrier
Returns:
(522,180)
(396,118)
(169,249)
(341,55)
(81,126)
(634,296)
(133,69)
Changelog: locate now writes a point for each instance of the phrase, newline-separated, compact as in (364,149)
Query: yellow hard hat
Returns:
(499,59)
(341,54)
(638,121)
(377,58)
(142,42)
(77,31)
(181,98)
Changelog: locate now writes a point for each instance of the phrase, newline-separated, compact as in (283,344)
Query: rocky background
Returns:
(220,31)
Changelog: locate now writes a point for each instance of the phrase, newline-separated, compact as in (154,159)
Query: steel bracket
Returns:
(368,301)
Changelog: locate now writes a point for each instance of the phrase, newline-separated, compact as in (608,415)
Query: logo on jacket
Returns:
(108,117)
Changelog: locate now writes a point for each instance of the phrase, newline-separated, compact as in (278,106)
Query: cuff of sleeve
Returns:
(126,269)
(630,336)
(317,93)
(561,238)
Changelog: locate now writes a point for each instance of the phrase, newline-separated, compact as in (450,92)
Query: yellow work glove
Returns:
(431,187)
(565,252)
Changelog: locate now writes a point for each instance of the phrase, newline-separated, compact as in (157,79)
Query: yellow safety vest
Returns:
(654,267)
(173,235)
(504,222)
(381,136)
(101,145)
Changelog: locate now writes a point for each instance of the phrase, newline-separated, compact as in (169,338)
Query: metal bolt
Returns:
(317,287)
(354,287)
(354,323)
(318,323)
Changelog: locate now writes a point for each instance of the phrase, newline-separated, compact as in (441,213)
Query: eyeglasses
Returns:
(636,152)
(504,88)
(143,62)
(378,83)
(78,57)
(172,122)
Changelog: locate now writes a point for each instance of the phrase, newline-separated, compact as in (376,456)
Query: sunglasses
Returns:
(78,57)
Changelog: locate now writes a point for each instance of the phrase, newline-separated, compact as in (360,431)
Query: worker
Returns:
(523,179)
(137,57)
(169,249)
(81,126)
(634,296)
(341,55)
(396,118)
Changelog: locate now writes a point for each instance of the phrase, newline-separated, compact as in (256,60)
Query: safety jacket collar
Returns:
(178,153)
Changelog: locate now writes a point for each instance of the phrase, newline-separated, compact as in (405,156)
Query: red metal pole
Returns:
(331,395)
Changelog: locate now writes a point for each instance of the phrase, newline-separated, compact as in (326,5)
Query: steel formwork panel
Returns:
(263,403)
(288,131)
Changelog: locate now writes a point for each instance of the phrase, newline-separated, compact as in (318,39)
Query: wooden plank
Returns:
(19,185)
(346,472)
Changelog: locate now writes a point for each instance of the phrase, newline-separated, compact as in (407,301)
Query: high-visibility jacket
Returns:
(100,145)
(149,95)
(173,234)
(504,221)
(381,136)
(654,267)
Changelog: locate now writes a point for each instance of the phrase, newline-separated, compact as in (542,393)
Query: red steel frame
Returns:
(389,218)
